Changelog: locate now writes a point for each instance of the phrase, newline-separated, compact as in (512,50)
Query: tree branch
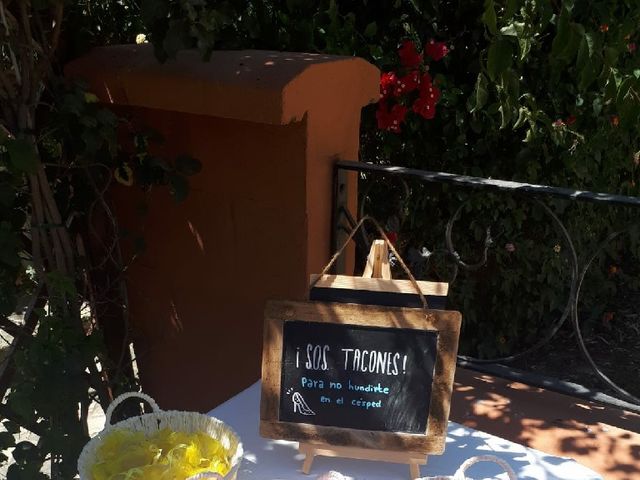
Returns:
(57,27)
(13,329)
(12,54)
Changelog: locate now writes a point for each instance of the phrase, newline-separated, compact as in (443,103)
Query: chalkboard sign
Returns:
(353,376)
(358,375)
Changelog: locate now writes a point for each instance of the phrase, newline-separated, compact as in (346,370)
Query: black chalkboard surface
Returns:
(377,291)
(355,376)
(369,297)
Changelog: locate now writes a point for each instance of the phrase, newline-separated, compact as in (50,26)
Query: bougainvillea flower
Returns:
(408,83)
(390,118)
(558,123)
(408,53)
(436,50)
(387,84)
(425,107)
(425,80)
(604,27)
(429,91)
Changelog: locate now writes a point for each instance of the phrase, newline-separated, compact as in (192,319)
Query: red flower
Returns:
(390,118)
(615,120)
(571,119)
(604,27)
(409,56)
(558,123)
(387,84)
(425,80)
(632,47)
(425,107)
(408,83)
(436,50)
(428,90)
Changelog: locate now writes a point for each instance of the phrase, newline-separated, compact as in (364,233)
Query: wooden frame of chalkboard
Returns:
(431,441)
(377,291)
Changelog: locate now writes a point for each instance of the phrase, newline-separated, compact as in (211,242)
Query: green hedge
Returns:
(544,92)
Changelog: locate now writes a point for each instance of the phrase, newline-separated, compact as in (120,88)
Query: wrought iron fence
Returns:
(539,195)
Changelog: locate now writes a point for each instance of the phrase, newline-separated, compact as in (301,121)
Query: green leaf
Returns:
(505,114)
(588,74)
(525,47)
(586,63)
(371,30)
(514,29)
(489,17)
(499,58)
(511,8)
(522,117)
(376,52)
(187,165)
(8,246)
(570,47)
(106,117)
(597,106)
(611,86)
(562,33)
(177,38)
(154,10)
(90,97)
(627,103)
(480,93)
(179,187)
(22,155)
(588,39)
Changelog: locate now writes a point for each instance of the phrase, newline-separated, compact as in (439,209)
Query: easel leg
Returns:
(308,460)
(414,470)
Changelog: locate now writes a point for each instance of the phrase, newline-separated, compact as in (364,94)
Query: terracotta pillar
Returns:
(267,127)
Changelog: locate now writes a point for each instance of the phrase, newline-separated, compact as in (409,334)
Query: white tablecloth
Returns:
(266,459)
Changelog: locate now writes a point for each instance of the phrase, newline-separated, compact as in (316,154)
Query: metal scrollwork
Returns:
(576,324)
(527,192)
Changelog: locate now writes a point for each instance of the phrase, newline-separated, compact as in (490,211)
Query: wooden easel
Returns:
(377,267)
(311,450)
(378,261)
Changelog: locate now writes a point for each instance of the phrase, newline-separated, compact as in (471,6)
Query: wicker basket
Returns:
(189,422)
(460,473)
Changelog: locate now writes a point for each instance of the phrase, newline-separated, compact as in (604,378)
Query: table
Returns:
(266,459)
